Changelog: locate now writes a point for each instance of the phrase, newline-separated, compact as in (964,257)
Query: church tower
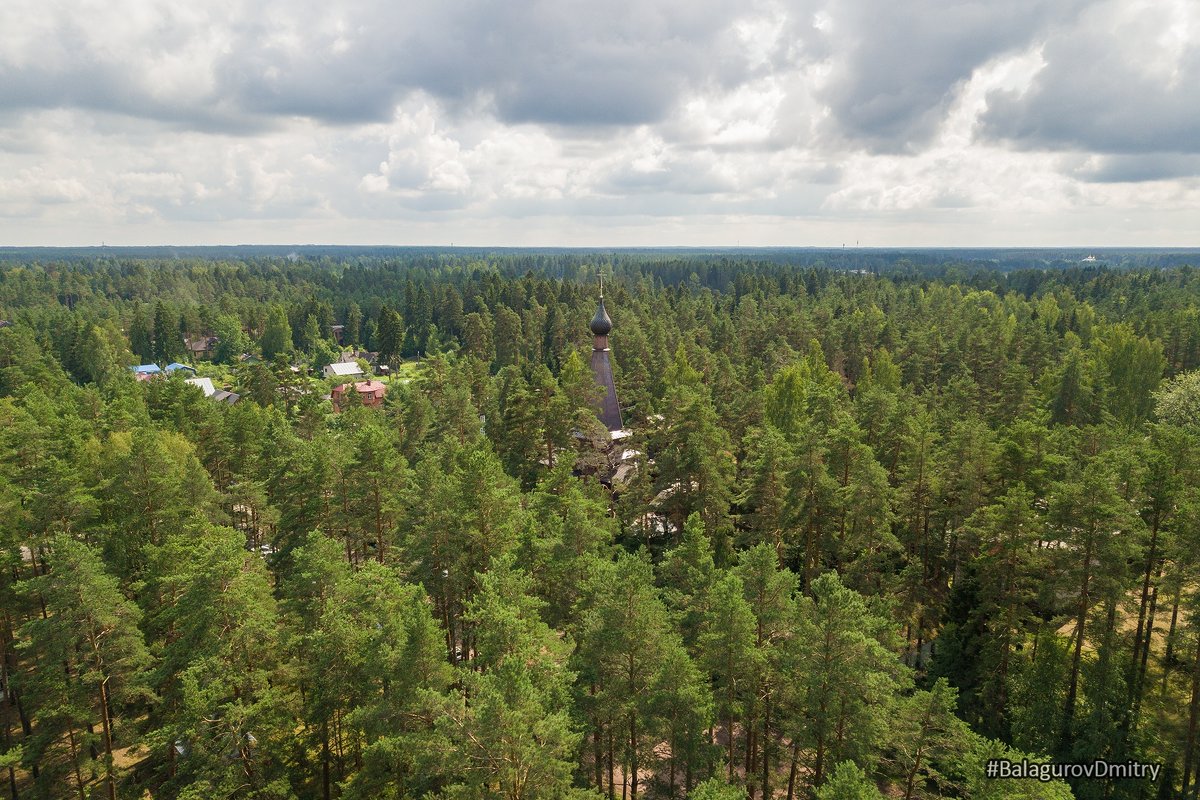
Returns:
(608,409)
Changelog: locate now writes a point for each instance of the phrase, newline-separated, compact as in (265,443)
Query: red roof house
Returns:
(371,392)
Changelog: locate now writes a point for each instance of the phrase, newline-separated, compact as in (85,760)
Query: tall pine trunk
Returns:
(106,724)
(633,757)
(766,748)
(75,762)
(325,759)
(1169,655)
(1143,604)
(1080,623)
(791,793)
(598,754)
(612,784)
(1141,674)
(1193,712)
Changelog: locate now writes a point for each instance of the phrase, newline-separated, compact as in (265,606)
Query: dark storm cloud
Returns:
(1092,97)
(896,67)
(569,63)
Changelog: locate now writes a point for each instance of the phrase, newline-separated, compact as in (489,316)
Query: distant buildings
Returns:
(145,372)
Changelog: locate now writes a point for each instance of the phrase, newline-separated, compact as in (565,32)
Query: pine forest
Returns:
(357,525)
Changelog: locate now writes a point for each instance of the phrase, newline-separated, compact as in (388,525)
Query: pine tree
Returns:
(352,328)
(687,574)
(277,334)
(168,345)
(625,642)
(846,680)
(728,653)
(769,591)
(378,475)
(683,708)
(926,734)
(90,658)
(766,489)
(515,736)
(390,338)
(1098,523)
(141,337)
(848,782)
(226,717)
(694,458)
(1008,533)
(571,529)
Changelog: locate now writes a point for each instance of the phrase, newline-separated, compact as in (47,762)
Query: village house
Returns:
(200,348)
(371,392)
(342,370)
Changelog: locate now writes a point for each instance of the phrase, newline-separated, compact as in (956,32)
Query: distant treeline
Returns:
(840,258)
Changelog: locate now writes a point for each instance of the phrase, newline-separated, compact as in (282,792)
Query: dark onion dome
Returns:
(601,324)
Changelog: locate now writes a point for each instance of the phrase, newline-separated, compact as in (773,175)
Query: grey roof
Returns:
(343,368)
(205,384)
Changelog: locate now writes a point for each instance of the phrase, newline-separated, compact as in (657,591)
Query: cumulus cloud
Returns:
(896,68)
(240,62)
(1124,80)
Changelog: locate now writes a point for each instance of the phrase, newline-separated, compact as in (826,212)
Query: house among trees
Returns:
(342,369)
(204,384)
(371,393)
(144,372)
(212,392)
(226,397)
(201,348)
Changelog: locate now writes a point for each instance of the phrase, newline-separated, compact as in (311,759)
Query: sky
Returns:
(615,123)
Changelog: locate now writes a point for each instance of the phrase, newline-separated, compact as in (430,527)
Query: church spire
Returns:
(608,409)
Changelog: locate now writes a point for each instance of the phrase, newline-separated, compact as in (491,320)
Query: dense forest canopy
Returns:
(891,517)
